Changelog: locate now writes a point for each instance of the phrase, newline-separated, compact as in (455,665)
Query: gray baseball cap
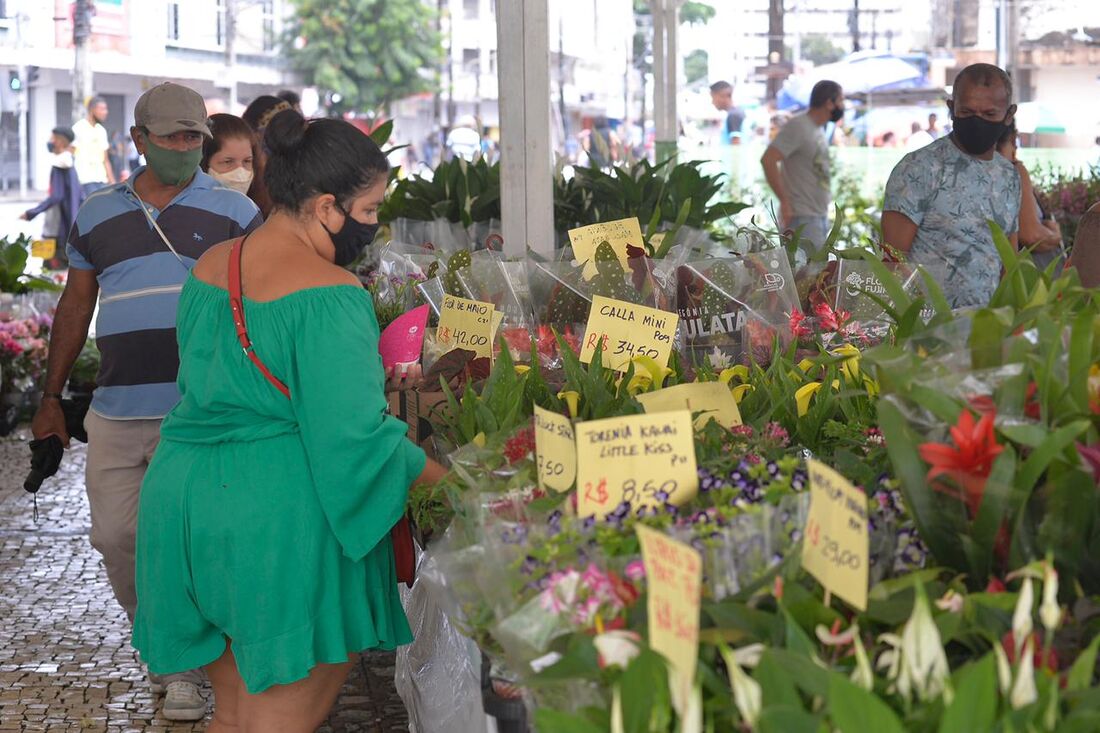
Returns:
(168,108)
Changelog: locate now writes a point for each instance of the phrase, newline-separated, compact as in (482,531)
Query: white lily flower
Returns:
(1024,691)
(749,656)
(747,694)
(1021,617)
(1004,669)
(951,601)
(862,674)
(922,653)
(617,648)
(1050,613)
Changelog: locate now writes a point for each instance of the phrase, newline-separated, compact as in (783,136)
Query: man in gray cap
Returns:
(131,247)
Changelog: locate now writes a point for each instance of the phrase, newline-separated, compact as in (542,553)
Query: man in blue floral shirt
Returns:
(939,198)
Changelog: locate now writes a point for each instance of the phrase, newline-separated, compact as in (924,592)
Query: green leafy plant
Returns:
(13,268)
(457,190)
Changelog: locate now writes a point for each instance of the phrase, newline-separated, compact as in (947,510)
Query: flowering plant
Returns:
(393,295)
(23,345)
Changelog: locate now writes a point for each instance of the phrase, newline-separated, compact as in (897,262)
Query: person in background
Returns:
(463,141)
(135,243)
(918,138)
(292,98)
(228,155)
(721,96)
(939,198)
(64,199)
(933,129)
(1085,257)
(796,165)
(257,115)
(264,548)
(91,148)
(1038,232)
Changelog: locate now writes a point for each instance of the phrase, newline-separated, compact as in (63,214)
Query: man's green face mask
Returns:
(172,167)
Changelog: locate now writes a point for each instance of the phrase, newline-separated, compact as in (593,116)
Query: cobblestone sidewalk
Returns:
(65,659)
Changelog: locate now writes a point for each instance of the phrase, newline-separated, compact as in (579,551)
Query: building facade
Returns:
(135,44)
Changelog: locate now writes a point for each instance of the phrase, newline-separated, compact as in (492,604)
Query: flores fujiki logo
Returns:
(773,281)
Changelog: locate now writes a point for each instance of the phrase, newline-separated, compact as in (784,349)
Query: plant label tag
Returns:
(635,461)
(466,324)
(674,574)
(44,248)
(836,546)
(555,450)
(713,399)
(625,330)
(617,233)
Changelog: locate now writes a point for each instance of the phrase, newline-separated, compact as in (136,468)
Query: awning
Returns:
(857,74)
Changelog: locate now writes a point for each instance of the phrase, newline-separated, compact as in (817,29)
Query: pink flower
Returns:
(635,570)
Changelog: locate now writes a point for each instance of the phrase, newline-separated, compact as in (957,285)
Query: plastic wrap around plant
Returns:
(717,298)
(438,675)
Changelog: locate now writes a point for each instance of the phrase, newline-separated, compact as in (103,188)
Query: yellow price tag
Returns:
(713,399)
(645,460)
(618,234)
(555,450)
(44,248)
(835,548)
(466,324)
(674,574)
(624,331)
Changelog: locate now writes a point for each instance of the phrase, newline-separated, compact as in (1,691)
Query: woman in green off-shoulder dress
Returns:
(264,548)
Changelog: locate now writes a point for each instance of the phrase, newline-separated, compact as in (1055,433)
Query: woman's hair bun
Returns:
(285,132)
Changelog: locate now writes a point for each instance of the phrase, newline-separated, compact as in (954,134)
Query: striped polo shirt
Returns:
(140,282)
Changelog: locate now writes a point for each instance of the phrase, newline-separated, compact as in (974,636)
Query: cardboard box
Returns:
(418,410)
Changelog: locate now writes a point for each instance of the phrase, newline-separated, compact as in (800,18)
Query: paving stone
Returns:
(65,658)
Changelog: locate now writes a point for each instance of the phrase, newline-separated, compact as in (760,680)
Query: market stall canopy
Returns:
(858,73)
(1039,118)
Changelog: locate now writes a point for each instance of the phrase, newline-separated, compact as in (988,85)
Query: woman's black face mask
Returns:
(352,238)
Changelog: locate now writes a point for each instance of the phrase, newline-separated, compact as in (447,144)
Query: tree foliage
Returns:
(818,48)
(370,52)
(696,66)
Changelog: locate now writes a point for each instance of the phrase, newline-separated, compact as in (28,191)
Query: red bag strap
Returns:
(236,303)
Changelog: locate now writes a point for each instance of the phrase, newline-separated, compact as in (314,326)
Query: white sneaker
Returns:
(182,701)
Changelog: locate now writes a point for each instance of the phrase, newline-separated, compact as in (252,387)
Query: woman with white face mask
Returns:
(228,156)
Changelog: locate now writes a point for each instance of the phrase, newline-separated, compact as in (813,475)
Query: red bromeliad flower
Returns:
(829,319)
(968,462)
(798,326)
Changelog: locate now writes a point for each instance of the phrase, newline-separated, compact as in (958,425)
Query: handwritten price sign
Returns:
(674,573)
(624,331)
(466,324)
(618,234)
(555,450)
(713,399)
(835,550)
(642,459)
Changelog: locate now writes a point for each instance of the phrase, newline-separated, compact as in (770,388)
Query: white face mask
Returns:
(237,179)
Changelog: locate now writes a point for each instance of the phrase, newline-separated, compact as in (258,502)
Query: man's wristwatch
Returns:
(51,396)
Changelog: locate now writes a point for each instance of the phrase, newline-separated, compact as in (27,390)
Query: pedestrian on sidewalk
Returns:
(939,198)
(64,199)
(797,168)
(137,241)
(264,550)
(92,148)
